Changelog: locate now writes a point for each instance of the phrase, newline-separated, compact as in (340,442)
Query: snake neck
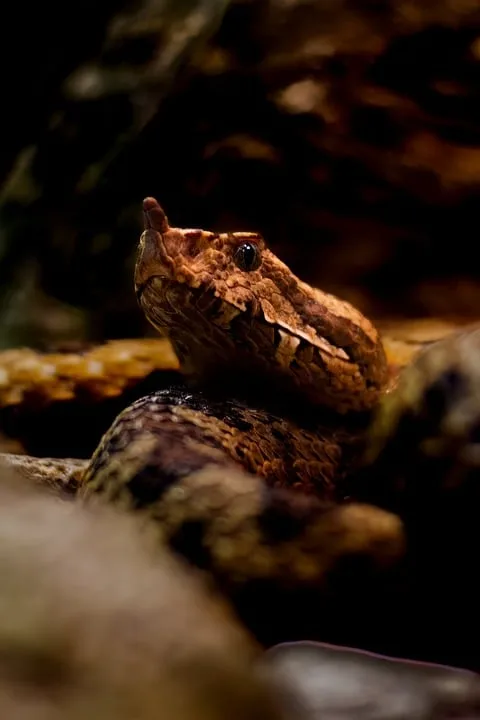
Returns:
(243,355)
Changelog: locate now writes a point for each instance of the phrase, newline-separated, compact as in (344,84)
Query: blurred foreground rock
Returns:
(323,682)
(95,623)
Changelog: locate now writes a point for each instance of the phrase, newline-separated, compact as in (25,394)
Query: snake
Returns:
(271,462)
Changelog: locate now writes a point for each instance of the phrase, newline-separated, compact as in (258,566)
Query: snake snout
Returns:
(151,258)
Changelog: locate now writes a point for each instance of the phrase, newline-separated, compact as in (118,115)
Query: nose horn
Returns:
(153,216)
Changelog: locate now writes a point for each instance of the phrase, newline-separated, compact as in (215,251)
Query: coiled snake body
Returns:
(283,375)
(250,471)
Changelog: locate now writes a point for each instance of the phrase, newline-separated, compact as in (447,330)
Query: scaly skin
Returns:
(251,339)
(216,467)
(223,320)
(181,463)
(97,373)
(422,445)
(287,374)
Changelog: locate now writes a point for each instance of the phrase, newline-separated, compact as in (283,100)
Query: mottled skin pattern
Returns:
(247,473)
(61,475)
(167,459)
(256,470)
(423,444)
(180,466)
(224,320)
(282,377)
(283,381)
(28,376)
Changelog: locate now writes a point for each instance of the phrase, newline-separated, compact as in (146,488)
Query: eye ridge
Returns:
(247,256)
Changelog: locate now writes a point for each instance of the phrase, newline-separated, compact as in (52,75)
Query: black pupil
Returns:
(246,256)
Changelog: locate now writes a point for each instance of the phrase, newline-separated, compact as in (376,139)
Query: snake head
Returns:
(172,254)
(226,299)
(197,258)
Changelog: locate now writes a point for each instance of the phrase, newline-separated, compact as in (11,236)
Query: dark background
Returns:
(347,132)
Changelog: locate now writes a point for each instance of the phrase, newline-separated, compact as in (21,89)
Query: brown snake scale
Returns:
(280,374)
(243,468)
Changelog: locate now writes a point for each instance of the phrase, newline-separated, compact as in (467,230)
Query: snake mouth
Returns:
(141,287)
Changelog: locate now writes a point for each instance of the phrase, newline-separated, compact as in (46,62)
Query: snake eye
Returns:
(247,256)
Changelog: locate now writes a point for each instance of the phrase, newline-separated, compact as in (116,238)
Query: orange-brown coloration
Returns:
(177,465)
(105,371)
(222,318)
(278,450)
(217,470)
